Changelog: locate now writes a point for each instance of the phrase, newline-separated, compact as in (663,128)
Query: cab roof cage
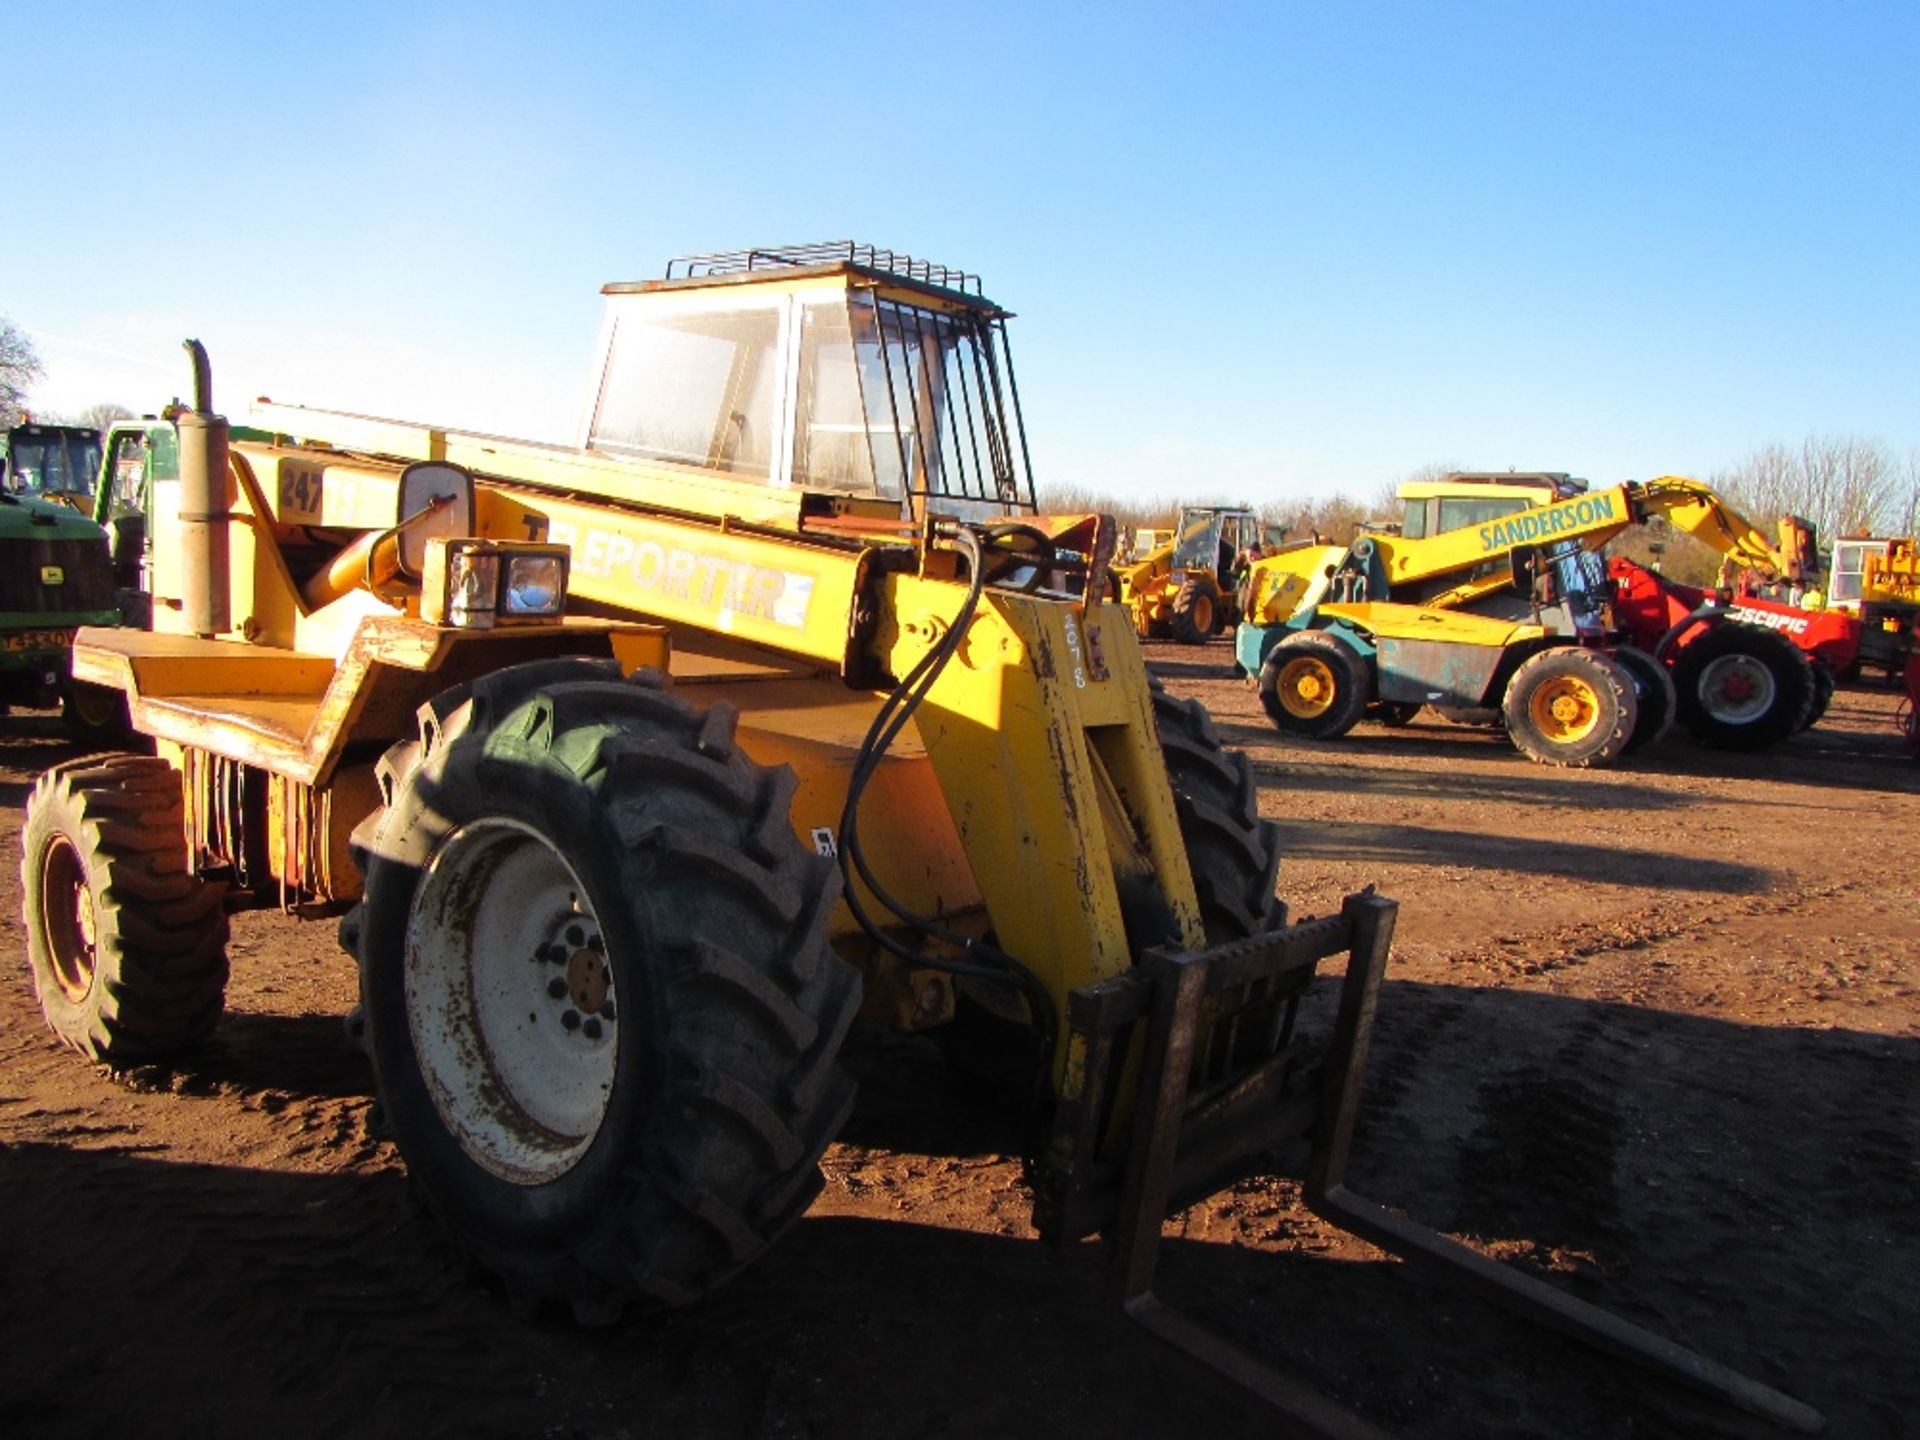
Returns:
(888,262)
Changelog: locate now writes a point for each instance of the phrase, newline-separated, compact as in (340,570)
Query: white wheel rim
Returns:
(1736,689)
(511,1006)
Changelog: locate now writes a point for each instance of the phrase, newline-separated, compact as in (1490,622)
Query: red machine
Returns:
(1648,605)
(1653,610)
(1910,720)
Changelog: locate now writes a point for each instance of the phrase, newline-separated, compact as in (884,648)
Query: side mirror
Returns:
(436,499)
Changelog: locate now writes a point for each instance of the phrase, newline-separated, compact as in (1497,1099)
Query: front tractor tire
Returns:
(126,946)
(1233,854)
(602,1012)
(1823,688)
(1314,686)
(1571,707)
(1743,688)
(1197,611)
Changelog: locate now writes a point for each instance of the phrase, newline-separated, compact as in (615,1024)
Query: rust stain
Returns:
(1043,656)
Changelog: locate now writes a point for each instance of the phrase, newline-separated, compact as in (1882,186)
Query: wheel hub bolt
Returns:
(570,1020)
(576,937)
(606,1011)
(591,1029)
(557,988)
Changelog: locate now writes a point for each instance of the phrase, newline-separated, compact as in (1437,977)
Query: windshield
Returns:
(1198,547)
(1458,514)
(938,394)
(1847,580)
(52,462)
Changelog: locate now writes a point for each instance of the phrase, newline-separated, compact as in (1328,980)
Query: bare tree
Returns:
(1081,500)
(1843,484)
(1334,518)
(19,368)
(100,416)
(1905,515)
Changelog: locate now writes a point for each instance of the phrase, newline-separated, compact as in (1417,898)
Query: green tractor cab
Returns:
(55,576)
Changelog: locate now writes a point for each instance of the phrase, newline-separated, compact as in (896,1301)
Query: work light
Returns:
(474,584)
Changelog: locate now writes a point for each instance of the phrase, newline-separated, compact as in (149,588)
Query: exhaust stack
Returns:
(205,501)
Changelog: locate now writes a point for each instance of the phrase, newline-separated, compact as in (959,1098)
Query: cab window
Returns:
(1459,514)
(699,386)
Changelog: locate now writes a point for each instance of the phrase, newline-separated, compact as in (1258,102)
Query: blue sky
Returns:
(1258,250)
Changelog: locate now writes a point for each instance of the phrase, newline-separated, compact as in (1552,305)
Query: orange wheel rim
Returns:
(1306,687)
(67,918)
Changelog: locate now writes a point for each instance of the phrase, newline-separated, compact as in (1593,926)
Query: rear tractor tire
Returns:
(1743,688)
(603,1016)
(126,946)
(1197,612)
(1314,686)
(1571,707)
(95,716)
(1393,714)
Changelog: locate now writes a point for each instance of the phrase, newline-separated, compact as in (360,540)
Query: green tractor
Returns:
(73,552)
(55,574)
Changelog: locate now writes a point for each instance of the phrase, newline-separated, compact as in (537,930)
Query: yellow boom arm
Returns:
(1475,556)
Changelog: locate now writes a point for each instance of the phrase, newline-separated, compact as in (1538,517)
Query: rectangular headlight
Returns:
(477,584)
(535,587)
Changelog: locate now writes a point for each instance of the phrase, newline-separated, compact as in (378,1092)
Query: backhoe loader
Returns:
(640,767)
(1183,588)
(1521,550)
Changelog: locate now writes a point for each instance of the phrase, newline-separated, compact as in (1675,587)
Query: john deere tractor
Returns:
(55,574)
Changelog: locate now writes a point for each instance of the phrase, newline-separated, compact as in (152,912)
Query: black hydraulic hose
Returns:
(1039,560)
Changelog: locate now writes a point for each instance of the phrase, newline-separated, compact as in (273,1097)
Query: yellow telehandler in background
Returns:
(1493,600)
(1183,587)
(640,767)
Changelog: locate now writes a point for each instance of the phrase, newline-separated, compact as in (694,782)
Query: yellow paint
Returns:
(1476,555)
(1416,622)
(998,725)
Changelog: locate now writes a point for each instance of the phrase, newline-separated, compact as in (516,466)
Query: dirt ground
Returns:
(1654,1032)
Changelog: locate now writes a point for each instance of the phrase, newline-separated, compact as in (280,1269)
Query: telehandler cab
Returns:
(639,767)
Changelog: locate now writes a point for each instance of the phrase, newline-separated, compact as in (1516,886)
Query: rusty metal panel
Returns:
(1436,672)
(292,714)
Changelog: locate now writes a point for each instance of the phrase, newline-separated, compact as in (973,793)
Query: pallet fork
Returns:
(1186,1145)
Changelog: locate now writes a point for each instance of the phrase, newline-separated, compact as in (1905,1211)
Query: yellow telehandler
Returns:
(1492,600)
(640,767)
(1184,586)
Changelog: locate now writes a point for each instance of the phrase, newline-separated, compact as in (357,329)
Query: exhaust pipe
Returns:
(205,513)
